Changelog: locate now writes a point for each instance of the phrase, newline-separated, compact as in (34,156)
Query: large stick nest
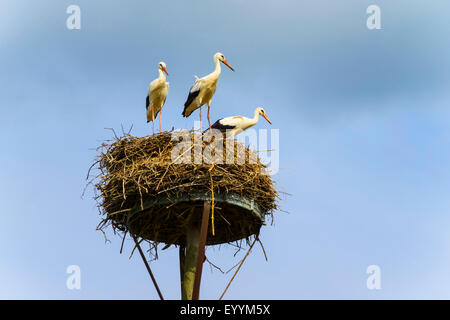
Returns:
(142,190)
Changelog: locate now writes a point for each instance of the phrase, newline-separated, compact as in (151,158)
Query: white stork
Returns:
(237,124)
(204,88)
(156,96)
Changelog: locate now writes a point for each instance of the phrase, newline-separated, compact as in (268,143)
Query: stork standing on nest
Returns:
(237,124)
(204,88)
(157,94)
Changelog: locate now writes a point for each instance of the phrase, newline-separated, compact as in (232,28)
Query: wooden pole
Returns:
(193,237)
(201,251)
(190,260)
(182,256)
(240,265)
(147,266)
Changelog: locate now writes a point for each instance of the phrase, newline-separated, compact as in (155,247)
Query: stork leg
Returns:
(153,120)
(160,116)
(200,118)
(209,120)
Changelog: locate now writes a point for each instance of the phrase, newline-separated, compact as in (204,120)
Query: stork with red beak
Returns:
(157,94)
(204,88)
(235,125)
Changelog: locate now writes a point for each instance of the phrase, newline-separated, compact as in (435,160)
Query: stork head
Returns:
(261,112)
(162,67)
(219,56)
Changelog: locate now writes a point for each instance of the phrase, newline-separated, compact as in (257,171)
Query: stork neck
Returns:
(256,116)
(252,121)
(218,69)
(162,75)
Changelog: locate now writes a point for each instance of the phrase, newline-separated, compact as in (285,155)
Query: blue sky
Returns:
(364,140)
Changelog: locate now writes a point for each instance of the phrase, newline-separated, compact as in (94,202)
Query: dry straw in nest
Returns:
(143,190)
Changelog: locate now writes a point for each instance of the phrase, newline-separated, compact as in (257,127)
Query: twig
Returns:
(89,171)
(262,247)
(240,265)
(213,265)
(114,132)
(123,240)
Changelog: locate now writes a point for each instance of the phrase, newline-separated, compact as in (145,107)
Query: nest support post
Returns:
(182,255)
(147,266)
(194,256)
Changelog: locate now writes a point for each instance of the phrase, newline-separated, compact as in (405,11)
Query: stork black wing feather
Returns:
(192,95)
(222,127)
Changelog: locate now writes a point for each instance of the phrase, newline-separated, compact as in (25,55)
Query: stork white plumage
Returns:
(156,96)
(237,124)
(204,88)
